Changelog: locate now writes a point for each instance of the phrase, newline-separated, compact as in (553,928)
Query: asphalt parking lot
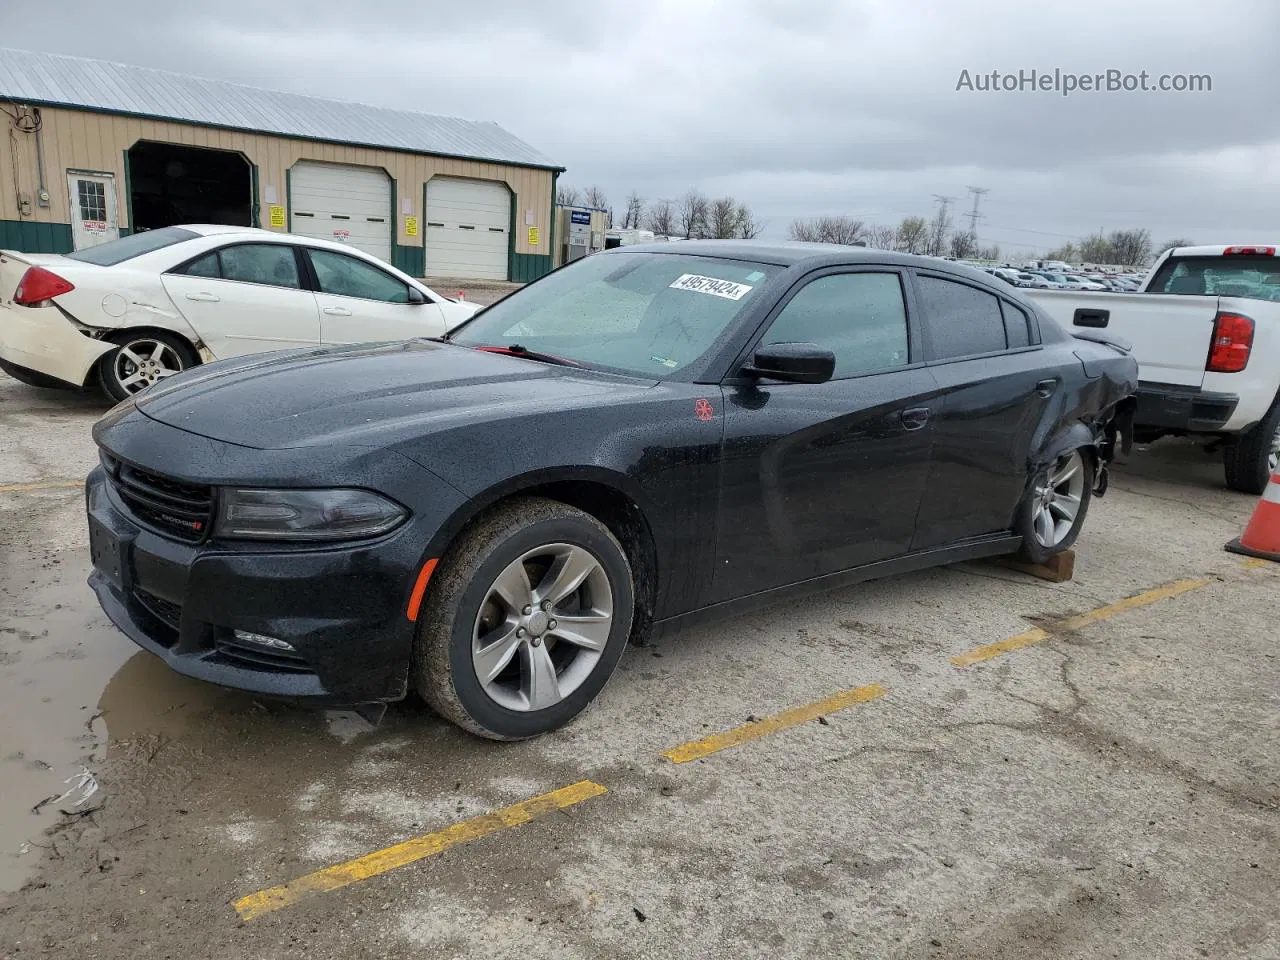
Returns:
(965,762)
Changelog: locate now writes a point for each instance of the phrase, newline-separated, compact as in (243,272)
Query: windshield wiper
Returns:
(520,350)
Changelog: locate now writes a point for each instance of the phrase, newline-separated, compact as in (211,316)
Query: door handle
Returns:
(203,297)
(1045,388)
(337,311)
(915,417)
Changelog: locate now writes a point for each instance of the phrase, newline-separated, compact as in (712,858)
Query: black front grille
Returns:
(183,510)
(256,657)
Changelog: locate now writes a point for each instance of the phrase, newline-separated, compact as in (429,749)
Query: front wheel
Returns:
(526,617)
(142,358)
(1053,511)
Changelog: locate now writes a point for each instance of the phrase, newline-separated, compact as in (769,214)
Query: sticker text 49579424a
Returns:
(717,288)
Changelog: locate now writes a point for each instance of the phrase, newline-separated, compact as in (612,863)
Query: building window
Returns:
(93,200)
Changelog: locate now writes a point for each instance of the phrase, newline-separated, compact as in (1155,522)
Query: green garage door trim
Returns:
(28,237)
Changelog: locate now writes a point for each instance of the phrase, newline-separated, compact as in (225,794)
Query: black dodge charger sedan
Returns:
(647,436)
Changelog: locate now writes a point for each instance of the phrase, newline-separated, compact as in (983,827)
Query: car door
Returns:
(996,387)
(361,303)
(818,478)
(246,298)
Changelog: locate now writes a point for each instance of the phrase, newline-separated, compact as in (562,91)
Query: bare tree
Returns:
(567,196)
(595,197)
(939,232)
(635,210)
(913,235)
(1130,247)
(1067,253)
(846,230)
(882,236)
(964,245)
(1173,245)
(748,226)
(722,219)
(661,218)
(1095,248)
(990,253)
(691,215)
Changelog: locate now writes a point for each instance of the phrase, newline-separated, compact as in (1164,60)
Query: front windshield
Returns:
(650,314)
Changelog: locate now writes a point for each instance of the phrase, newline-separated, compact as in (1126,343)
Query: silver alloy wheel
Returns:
(140,363)
(1056,502)
(542,627)
(1273,458)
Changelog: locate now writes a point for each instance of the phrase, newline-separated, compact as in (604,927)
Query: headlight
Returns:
(339,514)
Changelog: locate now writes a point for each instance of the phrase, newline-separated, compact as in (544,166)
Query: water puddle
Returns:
(73,690)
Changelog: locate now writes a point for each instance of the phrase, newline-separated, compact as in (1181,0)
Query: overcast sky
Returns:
(797,107)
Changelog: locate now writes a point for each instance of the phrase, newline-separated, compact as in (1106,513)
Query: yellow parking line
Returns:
(1259,563)
(1030,637)
(410,851)
(697,749)
(42,485)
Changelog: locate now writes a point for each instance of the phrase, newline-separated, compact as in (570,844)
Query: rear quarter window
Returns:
(963,320)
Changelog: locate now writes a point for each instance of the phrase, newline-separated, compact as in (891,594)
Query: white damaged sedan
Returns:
(131,312)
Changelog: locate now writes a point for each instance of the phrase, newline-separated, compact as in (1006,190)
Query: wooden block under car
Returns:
(1060,567)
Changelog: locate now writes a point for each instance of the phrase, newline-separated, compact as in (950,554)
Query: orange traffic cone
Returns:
(1261,538)
(462,294)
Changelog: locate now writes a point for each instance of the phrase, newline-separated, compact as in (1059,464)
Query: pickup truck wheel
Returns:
(1053,511)
(525,619)
(1252,459)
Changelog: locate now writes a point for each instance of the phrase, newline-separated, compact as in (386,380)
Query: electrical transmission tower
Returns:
(974,216)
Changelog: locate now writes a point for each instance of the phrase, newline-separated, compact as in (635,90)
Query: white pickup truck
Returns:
(1205,329)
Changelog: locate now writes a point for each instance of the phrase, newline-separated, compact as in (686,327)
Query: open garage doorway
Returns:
(171,184)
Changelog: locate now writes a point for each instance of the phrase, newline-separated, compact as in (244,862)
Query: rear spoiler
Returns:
(1109,339)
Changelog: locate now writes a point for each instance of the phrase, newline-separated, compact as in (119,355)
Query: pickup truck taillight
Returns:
(38,285)
(1231,345)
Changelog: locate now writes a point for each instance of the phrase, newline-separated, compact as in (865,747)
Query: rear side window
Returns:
(270,264)
(1232,276)
(135,245)
(1017,325)
(963,320)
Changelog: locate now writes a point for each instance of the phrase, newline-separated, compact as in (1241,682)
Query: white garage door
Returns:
(467,228)
(348,204)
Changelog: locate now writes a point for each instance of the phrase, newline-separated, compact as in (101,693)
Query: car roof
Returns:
(790,252)
(258,233)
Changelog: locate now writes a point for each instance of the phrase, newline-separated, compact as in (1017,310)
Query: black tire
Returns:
(1032,550)
(1250,459)
(34,378)
(443,671)
(179,355)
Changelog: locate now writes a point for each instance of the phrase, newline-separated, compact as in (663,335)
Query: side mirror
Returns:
(792,363)
(416,295)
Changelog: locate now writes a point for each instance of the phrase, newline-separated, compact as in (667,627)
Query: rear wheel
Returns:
(525,620)
(1252,459)
(1051,515)
(143,358)
(33,378)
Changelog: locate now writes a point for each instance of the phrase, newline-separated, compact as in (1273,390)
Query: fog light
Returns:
(263,640)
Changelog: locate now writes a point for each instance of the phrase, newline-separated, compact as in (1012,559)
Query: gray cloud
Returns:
(799,107)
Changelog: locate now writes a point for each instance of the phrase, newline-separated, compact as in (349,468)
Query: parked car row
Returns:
(1038,278)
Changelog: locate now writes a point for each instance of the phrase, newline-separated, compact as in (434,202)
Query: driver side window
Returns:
(860,317)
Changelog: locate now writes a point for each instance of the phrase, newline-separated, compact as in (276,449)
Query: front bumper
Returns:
(42,339)
(342,608)
(1183,409)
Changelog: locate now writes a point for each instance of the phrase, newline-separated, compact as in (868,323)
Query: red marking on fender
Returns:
(419,588)
(702,408)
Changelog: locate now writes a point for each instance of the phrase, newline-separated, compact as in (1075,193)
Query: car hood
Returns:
(366,395)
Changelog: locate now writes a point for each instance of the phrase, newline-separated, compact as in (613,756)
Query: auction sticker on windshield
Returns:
(717,288)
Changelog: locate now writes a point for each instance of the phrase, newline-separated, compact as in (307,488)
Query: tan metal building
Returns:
(98,150)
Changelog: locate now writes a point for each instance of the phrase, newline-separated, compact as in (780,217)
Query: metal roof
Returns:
(55,80)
